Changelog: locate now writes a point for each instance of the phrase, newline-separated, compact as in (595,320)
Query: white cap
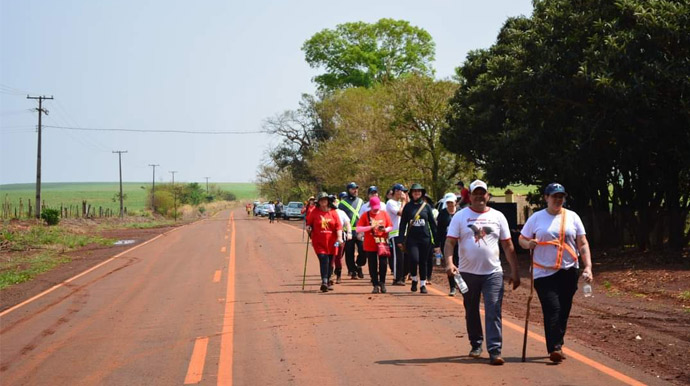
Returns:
(478,184)
(449,197)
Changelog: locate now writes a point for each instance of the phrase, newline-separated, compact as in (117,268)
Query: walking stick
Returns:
(306,253)
(529,300)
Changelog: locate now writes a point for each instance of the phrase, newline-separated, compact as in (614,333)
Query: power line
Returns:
(157,131)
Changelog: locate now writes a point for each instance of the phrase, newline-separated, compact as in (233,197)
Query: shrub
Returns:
(51,216)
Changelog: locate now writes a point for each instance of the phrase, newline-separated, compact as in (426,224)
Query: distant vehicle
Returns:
(263,210)
(293,210)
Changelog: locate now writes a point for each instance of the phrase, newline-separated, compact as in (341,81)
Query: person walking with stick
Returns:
(478,229)
(325,230)
(557,237)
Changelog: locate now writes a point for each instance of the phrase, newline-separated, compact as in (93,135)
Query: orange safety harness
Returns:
(560,244)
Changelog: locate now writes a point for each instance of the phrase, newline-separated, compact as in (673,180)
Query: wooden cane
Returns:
(306,253)
(529,300)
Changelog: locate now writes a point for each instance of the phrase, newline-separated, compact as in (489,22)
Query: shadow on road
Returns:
(464,359)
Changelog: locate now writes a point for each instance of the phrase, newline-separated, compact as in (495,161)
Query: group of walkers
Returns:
(410,232)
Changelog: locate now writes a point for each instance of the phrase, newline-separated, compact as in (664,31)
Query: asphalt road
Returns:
(219,302)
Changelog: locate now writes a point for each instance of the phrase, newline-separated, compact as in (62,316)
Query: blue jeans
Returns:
(491,288)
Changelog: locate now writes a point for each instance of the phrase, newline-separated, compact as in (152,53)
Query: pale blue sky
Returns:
(182,65)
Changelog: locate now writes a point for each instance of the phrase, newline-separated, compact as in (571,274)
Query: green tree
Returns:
(420,106)
(594,95)
(359,54)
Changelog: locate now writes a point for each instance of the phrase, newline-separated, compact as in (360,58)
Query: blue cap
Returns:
(341,195)
(352,185)
(399,187)
(372,189)
(554,188)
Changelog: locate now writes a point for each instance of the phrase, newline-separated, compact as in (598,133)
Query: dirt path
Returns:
(159,315)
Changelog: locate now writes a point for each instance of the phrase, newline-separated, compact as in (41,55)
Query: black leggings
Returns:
(418,253)
(377,269)
(325,266)
(556,296)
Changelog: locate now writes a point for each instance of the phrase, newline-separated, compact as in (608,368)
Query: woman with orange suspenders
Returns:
(557,237)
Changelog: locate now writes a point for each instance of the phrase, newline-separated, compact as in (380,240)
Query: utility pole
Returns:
(119,156)
(40,110)
(153,189)
(207,184)
(174,193)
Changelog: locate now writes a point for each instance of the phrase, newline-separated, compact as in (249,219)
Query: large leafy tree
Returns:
(595,95)
(360,54)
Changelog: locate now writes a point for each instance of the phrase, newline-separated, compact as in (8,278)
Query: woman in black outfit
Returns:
(418,232)
(445,214)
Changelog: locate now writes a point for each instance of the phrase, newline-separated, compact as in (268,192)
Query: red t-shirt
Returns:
(381,218)
(324,227)
(465,194)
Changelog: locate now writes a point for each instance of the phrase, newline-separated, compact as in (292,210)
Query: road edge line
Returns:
(573,354)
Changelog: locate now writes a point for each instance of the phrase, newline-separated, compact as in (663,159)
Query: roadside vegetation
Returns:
(28,251)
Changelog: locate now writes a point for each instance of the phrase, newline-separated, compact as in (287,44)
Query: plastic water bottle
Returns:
(587,288)
(337,244)
(462,286)
(438,257)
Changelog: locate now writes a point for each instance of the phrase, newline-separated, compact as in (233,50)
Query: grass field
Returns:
(100,193)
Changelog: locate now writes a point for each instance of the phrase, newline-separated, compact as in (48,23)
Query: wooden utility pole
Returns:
(40,110)
(174,194)
(119,156)
(207,184)
(153,189)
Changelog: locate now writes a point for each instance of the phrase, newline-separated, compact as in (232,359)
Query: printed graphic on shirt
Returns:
(325,223)
(419,222)
(480,232)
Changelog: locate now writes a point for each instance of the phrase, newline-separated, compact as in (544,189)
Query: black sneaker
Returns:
(360,274)
(398,283)
(375,290)
(353,276)
(475,352)
(383,288)
(422,289)
(324,287)
(413,288)
(330,286)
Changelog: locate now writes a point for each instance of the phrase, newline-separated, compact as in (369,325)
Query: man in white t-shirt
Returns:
(394,208)
(479,229)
